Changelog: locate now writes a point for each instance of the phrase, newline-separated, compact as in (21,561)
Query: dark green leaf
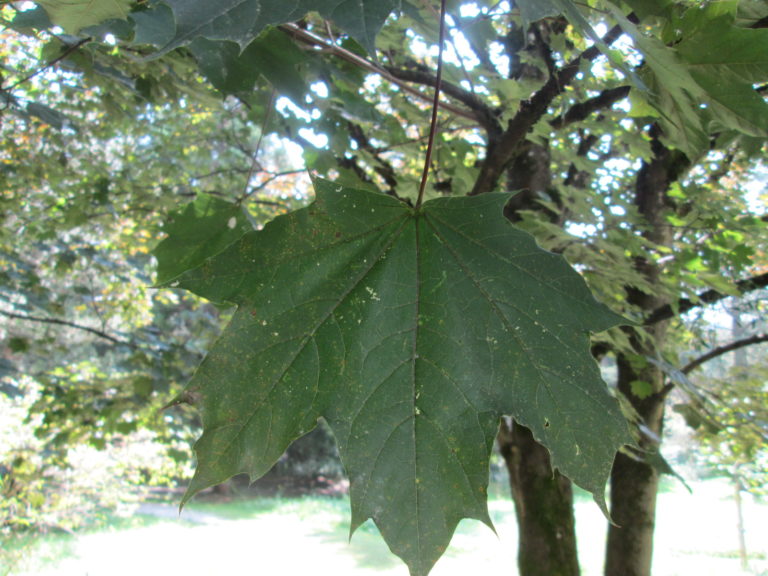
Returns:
(411,332)
(750,12)
(36,18)
(696,418)
(18,345)
(726,62)
(671,91)
(154,26)
(241,21)
(533,10)
(200,230)
(272,55)
(705,84)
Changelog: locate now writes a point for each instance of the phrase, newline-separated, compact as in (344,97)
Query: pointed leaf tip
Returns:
(195,233)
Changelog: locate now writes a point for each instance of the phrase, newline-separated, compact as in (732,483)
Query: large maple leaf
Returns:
(241,21)
(411,331)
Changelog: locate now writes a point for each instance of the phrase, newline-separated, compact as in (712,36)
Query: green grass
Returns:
(695,535)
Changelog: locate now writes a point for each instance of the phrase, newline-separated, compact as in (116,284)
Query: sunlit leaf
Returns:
(74,15)
(727,62)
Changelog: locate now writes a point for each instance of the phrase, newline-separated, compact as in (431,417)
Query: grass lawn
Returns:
(696,534)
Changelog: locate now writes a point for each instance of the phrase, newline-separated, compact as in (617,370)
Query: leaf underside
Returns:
(411,332)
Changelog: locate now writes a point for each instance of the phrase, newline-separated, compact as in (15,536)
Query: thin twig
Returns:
(267,182)
(709,297)
(59,322)
(219,172)
(720,350)
(315,40)
(502,148)
(435,108)
(484,114)
(255,155)
(53,62)
(582,110)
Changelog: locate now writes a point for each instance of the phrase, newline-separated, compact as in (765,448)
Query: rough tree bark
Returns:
(634,484)
(543,505)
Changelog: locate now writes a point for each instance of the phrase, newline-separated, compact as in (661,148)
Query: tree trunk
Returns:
(544,506)
(634,483)
(737,488)
(543,498)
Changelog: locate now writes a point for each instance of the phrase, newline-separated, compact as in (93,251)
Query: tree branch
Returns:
(251,190)
(315,40)
(720,350)
(384,169)
(67,323)
(69,50)
(486,116)
(583,110)
(502,149)
(709,297)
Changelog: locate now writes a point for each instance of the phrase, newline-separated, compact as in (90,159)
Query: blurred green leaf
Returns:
(74,15)
(272,55)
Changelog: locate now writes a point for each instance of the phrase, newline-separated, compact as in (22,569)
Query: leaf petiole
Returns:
(435,107)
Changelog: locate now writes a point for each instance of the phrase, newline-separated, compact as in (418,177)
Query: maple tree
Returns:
(615,122)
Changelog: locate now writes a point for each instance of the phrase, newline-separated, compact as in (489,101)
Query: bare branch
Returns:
(385,168)
(708,297)
(720,350)
(60,322)
(69,50)
(315,40)
(482,113)
(583,110)
(251,190)
(255,156)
